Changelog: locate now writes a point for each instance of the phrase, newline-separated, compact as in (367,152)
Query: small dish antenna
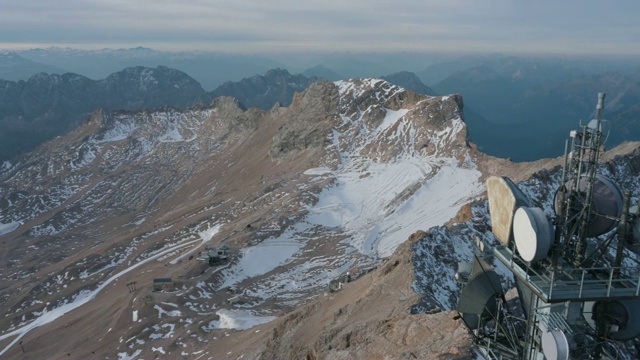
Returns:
(533,233)
(478,298)
(555,345)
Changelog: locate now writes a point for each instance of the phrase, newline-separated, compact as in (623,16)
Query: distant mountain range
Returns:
(514,106)
(263,92)
(411,81)
(14,67)
(45,106)
(323,73)
(210,69)
(524,112)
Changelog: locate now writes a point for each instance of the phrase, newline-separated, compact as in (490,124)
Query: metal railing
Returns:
(574,283)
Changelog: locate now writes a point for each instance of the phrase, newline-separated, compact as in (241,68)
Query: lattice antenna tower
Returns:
(576,297)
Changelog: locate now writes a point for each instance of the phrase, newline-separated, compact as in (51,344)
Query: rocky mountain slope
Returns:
(46,106)
(403,309)
(335,183)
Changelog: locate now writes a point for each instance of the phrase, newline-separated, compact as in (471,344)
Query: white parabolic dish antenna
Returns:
(533,233)
(555,345)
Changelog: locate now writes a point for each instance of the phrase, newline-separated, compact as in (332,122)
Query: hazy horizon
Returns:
(289,27)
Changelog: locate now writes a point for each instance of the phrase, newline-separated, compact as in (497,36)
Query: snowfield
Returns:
(258,260)
(381,207)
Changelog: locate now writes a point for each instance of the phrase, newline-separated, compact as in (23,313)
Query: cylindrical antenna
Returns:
(600,105)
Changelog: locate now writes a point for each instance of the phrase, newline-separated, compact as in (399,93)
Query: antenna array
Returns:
(575,294)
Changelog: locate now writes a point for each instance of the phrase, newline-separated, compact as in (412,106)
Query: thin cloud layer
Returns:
(253,26)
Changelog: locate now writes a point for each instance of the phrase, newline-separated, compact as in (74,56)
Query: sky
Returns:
(323,26)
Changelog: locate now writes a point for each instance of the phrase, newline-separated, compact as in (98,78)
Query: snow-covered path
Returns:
(81,299)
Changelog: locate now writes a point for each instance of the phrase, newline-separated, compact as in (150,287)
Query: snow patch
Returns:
(120,131)
(260,259)
(210,232)
(7,228)
(391,118)
(238,319)
(125,356)
(171,313)
(318,171)
(171,135)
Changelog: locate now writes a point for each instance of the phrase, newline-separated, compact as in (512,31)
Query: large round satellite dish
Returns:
(464,271)
(478,299)
(555,345)
(533,233)
(622,317)
(606,204)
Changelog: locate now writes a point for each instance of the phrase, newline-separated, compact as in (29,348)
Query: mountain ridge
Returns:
(133,187)
(14,67)
(337,182)
(49,105)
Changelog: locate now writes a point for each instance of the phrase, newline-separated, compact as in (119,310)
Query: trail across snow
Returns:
(205,236)
(83,298)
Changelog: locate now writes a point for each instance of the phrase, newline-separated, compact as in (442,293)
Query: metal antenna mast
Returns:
(574,298)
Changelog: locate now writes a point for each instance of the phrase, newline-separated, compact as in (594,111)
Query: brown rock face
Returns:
(370,319)
(307,122)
